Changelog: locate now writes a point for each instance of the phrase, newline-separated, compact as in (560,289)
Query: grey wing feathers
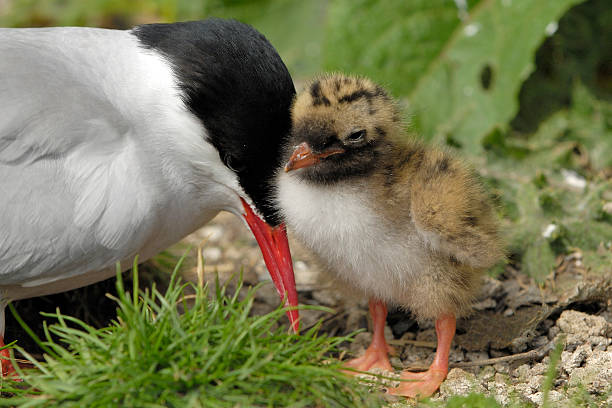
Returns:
(62,146)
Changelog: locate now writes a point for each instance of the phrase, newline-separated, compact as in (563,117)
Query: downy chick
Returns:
(400,222)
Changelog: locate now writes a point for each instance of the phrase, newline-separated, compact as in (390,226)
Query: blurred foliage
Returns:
(580,49)
(521,88)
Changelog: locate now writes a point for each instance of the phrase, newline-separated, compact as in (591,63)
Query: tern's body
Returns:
(93,156)
(119,143)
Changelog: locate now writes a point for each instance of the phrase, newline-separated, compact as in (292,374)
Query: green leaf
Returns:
(451,98)
(461,78)
(393,41)
(538,260)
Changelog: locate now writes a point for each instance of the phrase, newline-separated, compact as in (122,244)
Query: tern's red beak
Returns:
(303,156)
(275,250)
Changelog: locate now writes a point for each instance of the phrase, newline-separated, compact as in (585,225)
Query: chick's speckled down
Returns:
(394,219)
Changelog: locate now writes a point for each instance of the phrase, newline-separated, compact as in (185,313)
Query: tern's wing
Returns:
(69,181)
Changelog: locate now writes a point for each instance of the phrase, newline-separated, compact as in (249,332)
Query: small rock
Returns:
(522,372)
(538,397)
(508,312)
(498,389)
(395,361)
(596,375)
(539,369)
(476,355)
(524,389)
(456,355)
(487,373)
(211,254)
(572,360)
(503,368)
(485,304)
(600,342)
(539,341)
(581,328)
(553,332)
(522,343)
(460,382)
(501,378)
(491,288)
(356,320)
(501,395)
(214,233)
(574,322)
(535,381)
(305,278)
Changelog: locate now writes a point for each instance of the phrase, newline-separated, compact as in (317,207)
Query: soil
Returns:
(516,322)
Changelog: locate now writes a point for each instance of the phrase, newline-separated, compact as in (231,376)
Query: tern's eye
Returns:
(233,163)
(356,136)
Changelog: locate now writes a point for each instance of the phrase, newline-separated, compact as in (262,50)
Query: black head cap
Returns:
(235,82)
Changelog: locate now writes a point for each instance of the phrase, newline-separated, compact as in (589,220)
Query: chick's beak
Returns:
(303,156)
(275,250)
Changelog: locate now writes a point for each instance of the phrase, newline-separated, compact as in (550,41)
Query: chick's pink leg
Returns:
(377,354)
(424,384)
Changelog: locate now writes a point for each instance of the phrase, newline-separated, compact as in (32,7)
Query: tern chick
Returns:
(395,220)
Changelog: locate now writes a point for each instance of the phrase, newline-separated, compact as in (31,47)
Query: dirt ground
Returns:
(501,350)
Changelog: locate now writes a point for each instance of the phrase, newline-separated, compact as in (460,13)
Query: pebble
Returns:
(596,375)
(476,355)
(460,382)
(485,304)
(211,254)
(213,232)
(538,397)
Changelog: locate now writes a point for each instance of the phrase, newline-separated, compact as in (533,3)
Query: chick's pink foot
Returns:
(422,385)
(6,367)
(419,385)
(377,354)
(373,358)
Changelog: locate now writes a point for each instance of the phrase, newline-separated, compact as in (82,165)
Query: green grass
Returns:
(212,354)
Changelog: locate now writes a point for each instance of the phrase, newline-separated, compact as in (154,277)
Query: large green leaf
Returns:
(461,78)
(472,86)
(393,41)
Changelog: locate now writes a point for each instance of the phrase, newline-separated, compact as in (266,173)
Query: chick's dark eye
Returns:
(356,136)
